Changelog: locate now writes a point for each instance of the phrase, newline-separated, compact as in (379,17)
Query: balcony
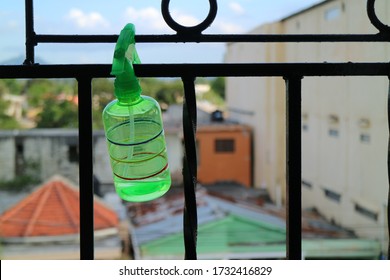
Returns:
(292,73)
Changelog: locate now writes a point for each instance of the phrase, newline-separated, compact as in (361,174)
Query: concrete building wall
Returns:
(175,156)
(224,154)
(48,152)
(7,148)
(253,101)
(344,119)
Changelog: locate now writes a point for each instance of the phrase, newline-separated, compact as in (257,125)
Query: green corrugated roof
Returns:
(230,234)
(236,236)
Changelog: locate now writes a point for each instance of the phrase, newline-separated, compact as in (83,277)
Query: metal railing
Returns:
(293,74)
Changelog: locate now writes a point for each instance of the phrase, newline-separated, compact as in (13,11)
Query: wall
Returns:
(224,166)
(344,132)
(260,103)
(55,151)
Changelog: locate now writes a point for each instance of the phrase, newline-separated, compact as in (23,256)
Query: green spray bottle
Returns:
(134,130)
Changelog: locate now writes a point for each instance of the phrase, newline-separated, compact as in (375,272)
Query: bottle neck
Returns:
(127,91)
(129,99)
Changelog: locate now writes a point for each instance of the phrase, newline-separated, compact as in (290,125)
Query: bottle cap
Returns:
(125,55)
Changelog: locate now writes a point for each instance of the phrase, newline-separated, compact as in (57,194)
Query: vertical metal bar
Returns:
(294,168)
(86,168)
(388,174)
(190,218)
(30,34)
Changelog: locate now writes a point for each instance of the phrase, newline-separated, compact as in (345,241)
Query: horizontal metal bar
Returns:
(214,38)
(200,70)
(76,38)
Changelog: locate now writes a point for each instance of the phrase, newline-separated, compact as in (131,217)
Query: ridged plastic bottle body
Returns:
(137,148)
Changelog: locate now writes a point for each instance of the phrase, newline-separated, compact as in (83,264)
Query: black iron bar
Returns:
(293,168)
(30,35)
(201,70)
(190,218)
(86,169)
(374,18)
(215,38)
(388,174)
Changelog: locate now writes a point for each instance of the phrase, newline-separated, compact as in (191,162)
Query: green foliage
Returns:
(166,92)
(218,86)
(216,94)
(54,98)
(15,86)
(57,113)
(6,122)
(214,98)
(38,90)
(102,94)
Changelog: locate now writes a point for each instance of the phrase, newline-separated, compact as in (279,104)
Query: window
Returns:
(333,132)
(73,153)
(334,124)
(332,13)
(305,120)
(19,158)
(332,195)
(307,184)
(365,138)
(365,212)
(224,145)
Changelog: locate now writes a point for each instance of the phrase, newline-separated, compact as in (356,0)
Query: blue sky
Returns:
(108,17)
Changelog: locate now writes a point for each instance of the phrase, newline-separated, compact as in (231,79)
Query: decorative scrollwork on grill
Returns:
(374,18)
(189,30)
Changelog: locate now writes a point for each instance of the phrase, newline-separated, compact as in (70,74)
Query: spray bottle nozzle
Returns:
(125,56)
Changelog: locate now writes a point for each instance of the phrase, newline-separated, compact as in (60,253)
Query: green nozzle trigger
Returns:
(125,56)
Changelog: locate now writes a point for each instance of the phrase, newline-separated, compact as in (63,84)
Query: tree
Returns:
(14,86)
(57,113)
(102,94)
(218,86)
(166,92)
(6,122)
(38,89)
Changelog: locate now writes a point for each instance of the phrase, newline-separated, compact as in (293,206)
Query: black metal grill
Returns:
(293,74)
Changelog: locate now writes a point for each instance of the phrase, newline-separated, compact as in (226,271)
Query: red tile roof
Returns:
(52,210)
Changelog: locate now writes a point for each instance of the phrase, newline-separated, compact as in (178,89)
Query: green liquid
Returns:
(137,148)
(139,191)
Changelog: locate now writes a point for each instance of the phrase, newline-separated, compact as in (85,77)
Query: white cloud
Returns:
(148,19)
(13,24)
(184,19)
(236,8)
(87,20)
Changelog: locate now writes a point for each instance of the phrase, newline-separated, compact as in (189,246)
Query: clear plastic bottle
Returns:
(134,131)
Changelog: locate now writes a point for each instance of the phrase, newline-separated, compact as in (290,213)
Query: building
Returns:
(46,225)
(224,147)
(232,228)
(42,153)
(344,131)
(224,152)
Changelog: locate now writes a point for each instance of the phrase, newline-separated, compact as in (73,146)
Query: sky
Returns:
(109,17)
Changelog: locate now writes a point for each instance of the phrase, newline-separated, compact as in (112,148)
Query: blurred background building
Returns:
(344,120)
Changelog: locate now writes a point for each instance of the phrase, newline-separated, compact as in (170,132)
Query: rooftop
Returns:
(231,227)
(51,213)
